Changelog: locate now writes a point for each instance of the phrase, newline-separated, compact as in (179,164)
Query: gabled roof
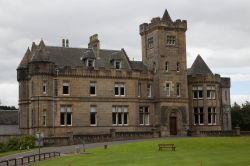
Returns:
(199,67)
(166,16)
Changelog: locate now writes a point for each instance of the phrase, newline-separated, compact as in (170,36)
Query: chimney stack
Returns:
(94,43)
(63,42)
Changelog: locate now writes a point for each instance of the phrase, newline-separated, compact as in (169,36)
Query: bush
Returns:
(17,143)
(2,147)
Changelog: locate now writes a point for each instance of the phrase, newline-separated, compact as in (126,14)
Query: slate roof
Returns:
(76,57)
(138,65)
(9,117)
(166,16)
(199,67)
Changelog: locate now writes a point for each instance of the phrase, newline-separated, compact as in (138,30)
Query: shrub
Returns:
(17,143)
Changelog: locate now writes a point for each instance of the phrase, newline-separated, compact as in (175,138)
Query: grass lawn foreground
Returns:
(203,151)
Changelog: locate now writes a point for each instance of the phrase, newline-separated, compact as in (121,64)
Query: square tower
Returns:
(164,53)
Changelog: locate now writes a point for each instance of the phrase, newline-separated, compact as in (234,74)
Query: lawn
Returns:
(14,152)
(209,151)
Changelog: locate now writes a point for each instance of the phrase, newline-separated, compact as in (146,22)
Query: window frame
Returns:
(149,90)
(171,40)
(66,84)
(178,90)
(120,88)
(120,111)
(150,42)
(92,85)
(93,111)
(145,115)
(117,64)
(66,110)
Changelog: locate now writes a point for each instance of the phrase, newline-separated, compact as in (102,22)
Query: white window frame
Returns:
(120,86)
(199,115)
(122,110)
(149,90)
(211,111)
(92,63)
(211,92)
(171,40)
(117,64)
(197,89)
(168,89)
(66,109)
(66,83)
(145,116)
(93,110)
(92,84)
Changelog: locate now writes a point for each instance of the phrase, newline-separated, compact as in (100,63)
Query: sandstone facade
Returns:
(90,91)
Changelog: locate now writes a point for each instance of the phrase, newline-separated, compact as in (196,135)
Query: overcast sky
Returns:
(218,30)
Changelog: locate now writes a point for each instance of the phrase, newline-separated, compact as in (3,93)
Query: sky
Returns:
(218,30)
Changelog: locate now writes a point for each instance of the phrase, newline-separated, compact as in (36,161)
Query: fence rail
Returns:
(28,159)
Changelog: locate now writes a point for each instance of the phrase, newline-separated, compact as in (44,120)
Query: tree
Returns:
(241,116)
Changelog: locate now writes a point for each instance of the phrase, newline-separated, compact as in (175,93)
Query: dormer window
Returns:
(117,64)
(90,63)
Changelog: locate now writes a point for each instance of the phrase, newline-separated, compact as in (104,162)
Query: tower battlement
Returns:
(165,22)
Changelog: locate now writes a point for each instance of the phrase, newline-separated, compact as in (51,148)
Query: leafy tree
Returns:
(241,116)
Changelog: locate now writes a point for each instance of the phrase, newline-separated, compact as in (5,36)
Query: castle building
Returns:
(93,91)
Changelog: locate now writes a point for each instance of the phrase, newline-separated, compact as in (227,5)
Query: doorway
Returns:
(173,126)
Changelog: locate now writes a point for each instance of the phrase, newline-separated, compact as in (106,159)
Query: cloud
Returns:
(218,30)
(240,99)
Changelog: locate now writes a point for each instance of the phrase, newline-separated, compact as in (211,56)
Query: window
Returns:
(178,90)
(178,66)
(210,92)
(149,90)
(90,63)
(117,64)
(92,89)
(120,115)
(171,40)
(225,95)
(211,115)
(139,90)
(144,116)
(168,89)
(93,117)
(150,42)
(44,87)
(119,89)
(166,66)
(44,117)
(197,92)
(66,87)
(198,116)
(66,116)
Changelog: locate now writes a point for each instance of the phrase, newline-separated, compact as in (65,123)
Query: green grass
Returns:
(210,151)
(14,152)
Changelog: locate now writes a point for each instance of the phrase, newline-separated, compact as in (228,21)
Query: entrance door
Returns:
(173,126)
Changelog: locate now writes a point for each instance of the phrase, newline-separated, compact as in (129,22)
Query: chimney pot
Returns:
(63,42)
(67,42)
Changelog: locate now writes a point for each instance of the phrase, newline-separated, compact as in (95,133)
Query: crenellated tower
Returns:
(164,52)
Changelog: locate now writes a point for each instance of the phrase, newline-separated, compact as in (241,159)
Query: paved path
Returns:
(72,148)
